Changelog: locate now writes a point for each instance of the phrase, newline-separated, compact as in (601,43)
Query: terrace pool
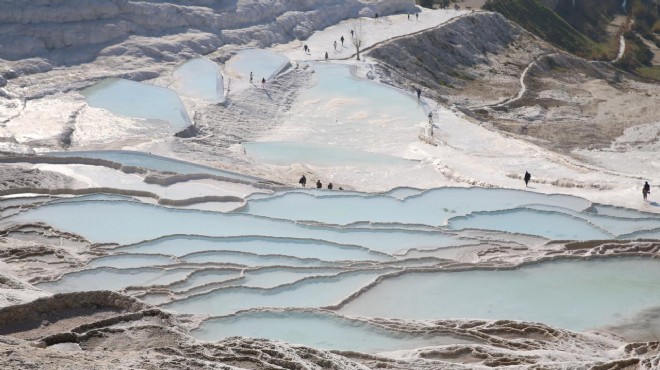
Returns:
(139,100)
(200,78)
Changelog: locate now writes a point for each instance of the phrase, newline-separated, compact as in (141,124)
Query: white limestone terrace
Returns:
(305,257)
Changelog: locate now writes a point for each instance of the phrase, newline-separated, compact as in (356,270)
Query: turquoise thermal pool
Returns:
(262,64)
(318,330)
(301,249)
(298,248)
(200,78)
(313,293)
(105,278)
(138,100)
(286,153)
(576,295)
(433,207)
(97,221)
(153,162)
(348,109)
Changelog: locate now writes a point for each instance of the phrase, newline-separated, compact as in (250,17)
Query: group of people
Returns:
(646,189)
(263,79)
(416,16)
(319,185)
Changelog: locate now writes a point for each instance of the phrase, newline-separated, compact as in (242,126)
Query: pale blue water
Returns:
(286,153)
(153,162)
(318,330)
(574,295)
(200,78)
(130,222)
(202,277)
(300,248)
(318,292)
(433,207)
(131,261)
(552,225)
(262,64)
(104,278)
(138,100)
(246,259)
(352,107)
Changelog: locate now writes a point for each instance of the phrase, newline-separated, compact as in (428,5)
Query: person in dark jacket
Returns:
(330,186)
(318,184)
(646,190)
(528,177)
(302,181)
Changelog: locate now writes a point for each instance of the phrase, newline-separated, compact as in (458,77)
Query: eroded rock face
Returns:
(73,31)
(481,48)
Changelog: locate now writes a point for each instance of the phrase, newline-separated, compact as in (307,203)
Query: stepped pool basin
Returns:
(298,248)
(262,64)
(287,153)
(576,295)
(139,100)
(347,109)
(359,255)
(153,162)
(318,330)
(200,78)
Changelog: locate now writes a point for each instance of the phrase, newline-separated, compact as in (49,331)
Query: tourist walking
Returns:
(416,16)
(646,190)
(326,55)
(527,177)
(342,40)
(302,181)
(318,184)
(251,75)
(263,81)
(335,44)
(419,93)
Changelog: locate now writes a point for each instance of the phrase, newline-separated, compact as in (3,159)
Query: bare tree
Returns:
(356,36)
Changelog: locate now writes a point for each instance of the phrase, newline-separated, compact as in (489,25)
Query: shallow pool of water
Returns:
(200,78)
(315,292)
(575,295)
(299,248)
(262,64)
(433,207)
(98,222)
(287,153)
(153,162)
(138,100)
(318,330)
(104,278)
(552,225)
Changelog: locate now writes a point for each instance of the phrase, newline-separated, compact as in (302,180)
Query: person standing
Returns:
(326,55)
(646,190)
(330,186)
(318,184)
(416,16)
(342,40)
(302,181)
(419,93)
(335,44)
(527,177)
(251,75)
